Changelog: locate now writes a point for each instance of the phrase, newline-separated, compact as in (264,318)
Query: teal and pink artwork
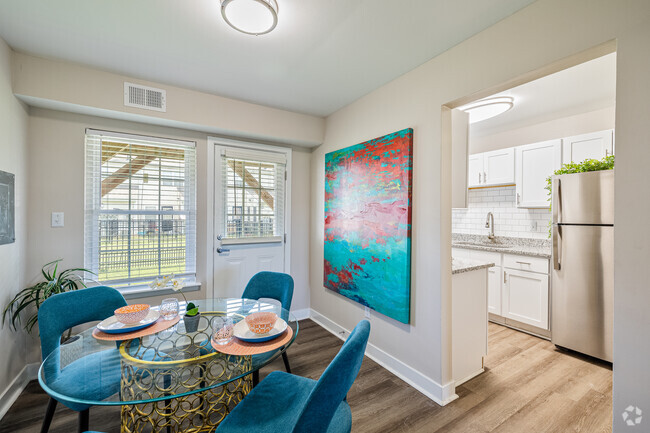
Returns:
(368,223)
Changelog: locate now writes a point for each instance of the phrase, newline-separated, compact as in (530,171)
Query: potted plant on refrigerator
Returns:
(607,163)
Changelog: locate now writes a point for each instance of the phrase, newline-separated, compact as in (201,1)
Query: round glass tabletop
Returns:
(169,364)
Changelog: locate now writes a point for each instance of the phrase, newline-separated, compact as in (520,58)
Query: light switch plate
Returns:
(367,312)
(57,219)
(533,226)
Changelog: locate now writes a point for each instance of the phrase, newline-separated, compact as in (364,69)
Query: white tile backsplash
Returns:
(509,220)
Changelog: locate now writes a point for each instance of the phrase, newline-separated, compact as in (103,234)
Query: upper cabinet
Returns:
(499,167)
(596,145)
(475,170)
(534,163)
(491,168)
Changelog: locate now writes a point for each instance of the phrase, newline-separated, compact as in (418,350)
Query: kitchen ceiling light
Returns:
(487,108)
(253,17)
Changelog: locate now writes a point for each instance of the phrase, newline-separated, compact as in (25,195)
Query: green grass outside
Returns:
(114,256)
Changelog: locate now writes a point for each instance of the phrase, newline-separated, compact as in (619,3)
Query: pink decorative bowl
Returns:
(132,314)
(261,323)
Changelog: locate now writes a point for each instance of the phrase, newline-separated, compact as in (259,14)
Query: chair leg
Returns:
(256,378)
(84,416)
(49,414)
(285,358)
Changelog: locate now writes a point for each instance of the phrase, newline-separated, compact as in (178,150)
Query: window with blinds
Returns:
(253,194)
(140,214)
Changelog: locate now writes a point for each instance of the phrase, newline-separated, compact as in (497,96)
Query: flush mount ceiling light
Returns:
(487,108)
(253,17)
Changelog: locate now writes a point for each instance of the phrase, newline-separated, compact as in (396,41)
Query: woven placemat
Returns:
(159,325)
(244,348)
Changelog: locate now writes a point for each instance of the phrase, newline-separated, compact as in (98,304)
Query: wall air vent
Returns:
(147,98)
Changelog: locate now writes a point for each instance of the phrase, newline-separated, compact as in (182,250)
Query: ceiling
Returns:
(586,87)
(323,55)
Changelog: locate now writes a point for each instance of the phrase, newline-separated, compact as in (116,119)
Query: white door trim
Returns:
(211,244)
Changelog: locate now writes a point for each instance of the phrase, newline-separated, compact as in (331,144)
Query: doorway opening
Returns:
(507,325)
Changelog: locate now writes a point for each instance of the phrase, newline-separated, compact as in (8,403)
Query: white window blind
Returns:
(253,194)
(140,210)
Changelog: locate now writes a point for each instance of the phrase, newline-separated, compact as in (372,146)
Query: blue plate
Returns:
(112,326)
(242,332)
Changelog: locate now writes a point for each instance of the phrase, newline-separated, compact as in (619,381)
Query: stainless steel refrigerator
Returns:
(583,262)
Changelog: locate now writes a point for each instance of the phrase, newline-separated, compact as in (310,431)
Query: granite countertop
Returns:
(458,266)
(502,244)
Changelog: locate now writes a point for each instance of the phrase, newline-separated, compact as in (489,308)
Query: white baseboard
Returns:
(440,394)
(302,314)
(9,396)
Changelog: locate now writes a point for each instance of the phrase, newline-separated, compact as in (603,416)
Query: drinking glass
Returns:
(169,308)
(222,330)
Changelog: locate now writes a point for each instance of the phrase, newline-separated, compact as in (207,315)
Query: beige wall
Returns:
(70,87)
(13,159)
(56,161)
(542,34)
(592,121)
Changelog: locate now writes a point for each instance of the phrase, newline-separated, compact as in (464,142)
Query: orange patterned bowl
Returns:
(132,314)
(261,323)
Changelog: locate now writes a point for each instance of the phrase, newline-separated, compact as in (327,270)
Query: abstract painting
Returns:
(368,223)
(7,210)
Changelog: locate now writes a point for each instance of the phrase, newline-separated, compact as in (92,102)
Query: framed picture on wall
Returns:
(7,208)
(367,248)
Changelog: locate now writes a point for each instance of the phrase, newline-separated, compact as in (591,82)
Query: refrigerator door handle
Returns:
(557,201)
(557,247)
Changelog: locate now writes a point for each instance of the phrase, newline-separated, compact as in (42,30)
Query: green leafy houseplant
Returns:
(607,163)
(55,282)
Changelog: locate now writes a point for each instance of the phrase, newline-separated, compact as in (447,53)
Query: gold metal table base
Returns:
(201,412)
(180,366)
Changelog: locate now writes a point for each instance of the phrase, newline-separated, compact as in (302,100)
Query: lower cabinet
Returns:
(525,297)
(494,290)
(518,288)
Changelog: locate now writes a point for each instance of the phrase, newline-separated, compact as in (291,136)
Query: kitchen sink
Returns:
(483,244)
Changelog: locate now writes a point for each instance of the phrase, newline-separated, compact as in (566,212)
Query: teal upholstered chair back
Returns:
(335,383)
(65,310)
(272,285)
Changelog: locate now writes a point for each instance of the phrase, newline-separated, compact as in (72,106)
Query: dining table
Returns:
(171,380)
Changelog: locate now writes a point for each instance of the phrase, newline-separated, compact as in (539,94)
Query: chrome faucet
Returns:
(490,224)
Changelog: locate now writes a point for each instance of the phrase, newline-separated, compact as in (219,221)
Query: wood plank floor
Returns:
(528,386)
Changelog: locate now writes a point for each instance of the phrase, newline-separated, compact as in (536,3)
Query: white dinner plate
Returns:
(112,326)
(241,331)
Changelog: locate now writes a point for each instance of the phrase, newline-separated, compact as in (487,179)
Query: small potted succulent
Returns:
(192,314)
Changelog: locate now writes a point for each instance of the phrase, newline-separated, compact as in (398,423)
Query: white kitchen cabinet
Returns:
(491,168)
(596,145)
(494,274)
(534,163)
(499,167)
(475,170)
(525,297)
(518,288)
(494,290)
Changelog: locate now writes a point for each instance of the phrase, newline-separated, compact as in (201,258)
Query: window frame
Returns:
(93,209)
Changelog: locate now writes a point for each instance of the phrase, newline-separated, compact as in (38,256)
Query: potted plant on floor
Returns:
(27,302)
(192,315)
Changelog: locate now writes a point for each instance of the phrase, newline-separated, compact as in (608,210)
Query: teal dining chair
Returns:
(284,403)
(85,376)
(271,285)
